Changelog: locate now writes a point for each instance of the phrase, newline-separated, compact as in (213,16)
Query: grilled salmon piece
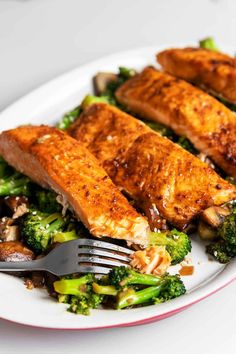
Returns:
(211,70)
(160,175)
(105,131)
(54,160)
(207,123)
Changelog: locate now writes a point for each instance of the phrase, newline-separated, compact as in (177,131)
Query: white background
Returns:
(40,39)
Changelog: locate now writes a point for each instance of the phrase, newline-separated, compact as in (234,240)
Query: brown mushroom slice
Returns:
(215,215)
(18,205)
(15,251)
(8,231)
(206,232)
(101,80)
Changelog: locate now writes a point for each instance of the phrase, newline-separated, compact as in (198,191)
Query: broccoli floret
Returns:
(187,145)
(46,201)
(69,118)
(78,293)
(225,248)
(37,229)
(208,43)
(13,183)
(227,230)
(173,288)
(129,288)
(167,288)
(125,73)
(82,305)
(109,93)
(120,277)
(177,244)
(222,251)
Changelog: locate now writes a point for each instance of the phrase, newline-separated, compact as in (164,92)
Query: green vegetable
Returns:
(122,287)
(123,75)
(168,287)
(120,277)
(105,289)
(78,293)
(224,249)
(227,230)
(37,229)
(130,288)
(208,43)
(65,236)
(13,183)
(187,145)
(69,118)
(46,201)
(90,99)
(177,243)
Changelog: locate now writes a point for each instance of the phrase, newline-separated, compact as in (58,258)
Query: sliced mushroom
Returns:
(206,232)
(17,205)
(8,231)
(15,251)
(215,215)
(101,80)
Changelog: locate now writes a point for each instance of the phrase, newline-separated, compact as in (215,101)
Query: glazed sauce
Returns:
(186,270)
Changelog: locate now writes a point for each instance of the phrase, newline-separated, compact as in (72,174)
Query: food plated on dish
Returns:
(112,169)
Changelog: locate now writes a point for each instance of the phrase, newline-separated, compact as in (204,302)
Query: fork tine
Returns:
(99,260)
(93,269)
(102,244)
(101,252)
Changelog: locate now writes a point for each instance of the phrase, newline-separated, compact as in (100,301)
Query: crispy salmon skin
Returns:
(54,160)
(160,175)
(214,71)
(189,111)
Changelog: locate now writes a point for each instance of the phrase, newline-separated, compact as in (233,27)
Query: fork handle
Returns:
(22,266)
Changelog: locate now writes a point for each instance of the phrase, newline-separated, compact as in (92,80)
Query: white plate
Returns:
(35,308)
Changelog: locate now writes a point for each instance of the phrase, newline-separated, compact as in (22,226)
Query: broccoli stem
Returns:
(69,118)
(208,43)
(104,289)
(65,236)
(73,286)
(52,222)
(130,297)
(15,184)
(89,100)
(139,278)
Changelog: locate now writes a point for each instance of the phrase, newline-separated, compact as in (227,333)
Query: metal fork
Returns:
(77,256)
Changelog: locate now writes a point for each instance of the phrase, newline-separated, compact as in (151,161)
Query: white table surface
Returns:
(40,39)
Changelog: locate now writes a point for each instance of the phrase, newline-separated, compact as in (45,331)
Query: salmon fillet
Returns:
(161,176)
(190,112)
(214,71)
(54,160)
